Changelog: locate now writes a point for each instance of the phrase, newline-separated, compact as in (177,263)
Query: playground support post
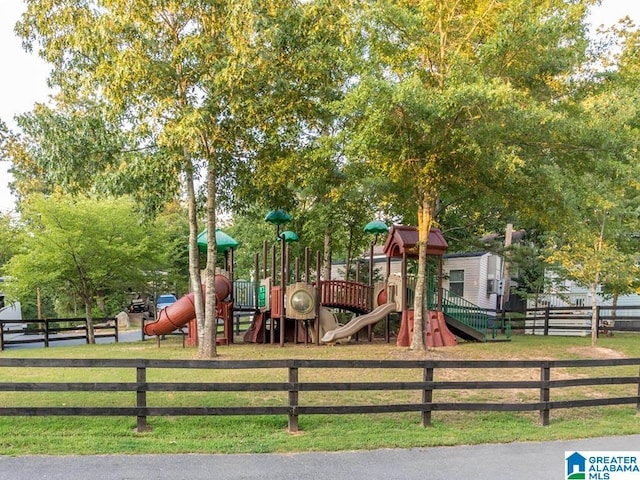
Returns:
(256,283)
(283,286)
(318,296)
(371,292)
(272,332)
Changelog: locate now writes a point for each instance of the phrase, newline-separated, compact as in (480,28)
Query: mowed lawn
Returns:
(235,434)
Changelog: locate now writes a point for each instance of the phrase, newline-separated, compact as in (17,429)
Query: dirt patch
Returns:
(596,352)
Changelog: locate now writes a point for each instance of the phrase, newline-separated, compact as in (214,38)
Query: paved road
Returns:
(522,461)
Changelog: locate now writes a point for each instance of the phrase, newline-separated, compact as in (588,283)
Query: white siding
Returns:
(476,275)
(471,267)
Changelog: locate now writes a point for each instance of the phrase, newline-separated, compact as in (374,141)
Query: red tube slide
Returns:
(173,317)
(183,311)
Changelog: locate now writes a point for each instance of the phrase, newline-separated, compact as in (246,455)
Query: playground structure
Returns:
(291,305)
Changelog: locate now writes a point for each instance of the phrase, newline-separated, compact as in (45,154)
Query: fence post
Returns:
(1,336)
(115,323)
(293,400)
(638,399)
(46,332)
(427,396)
(545,377)
(141,398)
(546,321)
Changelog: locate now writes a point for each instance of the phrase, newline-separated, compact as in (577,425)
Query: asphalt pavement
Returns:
(524,461)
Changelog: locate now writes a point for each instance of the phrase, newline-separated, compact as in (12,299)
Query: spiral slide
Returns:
(358,323)
(173,317)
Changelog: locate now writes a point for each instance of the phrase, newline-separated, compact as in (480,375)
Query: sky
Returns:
(24,79)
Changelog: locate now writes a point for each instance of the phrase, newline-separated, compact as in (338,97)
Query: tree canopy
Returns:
(79,247)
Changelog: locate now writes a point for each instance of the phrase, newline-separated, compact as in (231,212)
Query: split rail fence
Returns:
(46,331)
(294,391)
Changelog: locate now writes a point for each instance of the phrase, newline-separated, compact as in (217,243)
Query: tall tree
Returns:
(596,241)
(305,62)
(79,246)
(464,97)
(213,84)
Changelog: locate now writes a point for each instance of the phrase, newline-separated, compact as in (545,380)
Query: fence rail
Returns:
(45,331)
(295,390)
(575,320)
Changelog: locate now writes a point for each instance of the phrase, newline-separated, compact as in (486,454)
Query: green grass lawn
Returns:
(117,435)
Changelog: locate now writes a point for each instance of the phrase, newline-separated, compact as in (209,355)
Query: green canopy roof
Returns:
(376,227)
(277,217)
(224,242)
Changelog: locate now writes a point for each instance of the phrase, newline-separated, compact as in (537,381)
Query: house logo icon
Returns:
(576,467)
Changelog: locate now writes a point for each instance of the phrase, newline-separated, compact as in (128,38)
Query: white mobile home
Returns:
(475,276)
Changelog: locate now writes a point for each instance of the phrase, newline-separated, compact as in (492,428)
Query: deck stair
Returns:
(465,319)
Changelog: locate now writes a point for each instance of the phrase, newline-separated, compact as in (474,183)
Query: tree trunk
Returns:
(208,346)
(594,287)
(326,261)
(349,261)
(88,307)
(594,312)
(425,220)
(194,253)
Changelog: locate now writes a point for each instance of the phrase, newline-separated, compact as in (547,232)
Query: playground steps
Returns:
(467,320)
(464,331)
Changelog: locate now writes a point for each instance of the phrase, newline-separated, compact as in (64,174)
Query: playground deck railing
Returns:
(351,295)
(576,384)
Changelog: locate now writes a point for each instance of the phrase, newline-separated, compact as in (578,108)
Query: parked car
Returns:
(164,301)
(138,305)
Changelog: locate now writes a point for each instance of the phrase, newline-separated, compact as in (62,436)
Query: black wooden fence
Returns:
(573,320)
(45,331)
(294,390)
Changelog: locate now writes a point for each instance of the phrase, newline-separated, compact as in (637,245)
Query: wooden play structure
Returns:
(306,300)
(294,304)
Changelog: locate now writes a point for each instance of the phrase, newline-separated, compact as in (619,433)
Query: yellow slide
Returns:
(359,323)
